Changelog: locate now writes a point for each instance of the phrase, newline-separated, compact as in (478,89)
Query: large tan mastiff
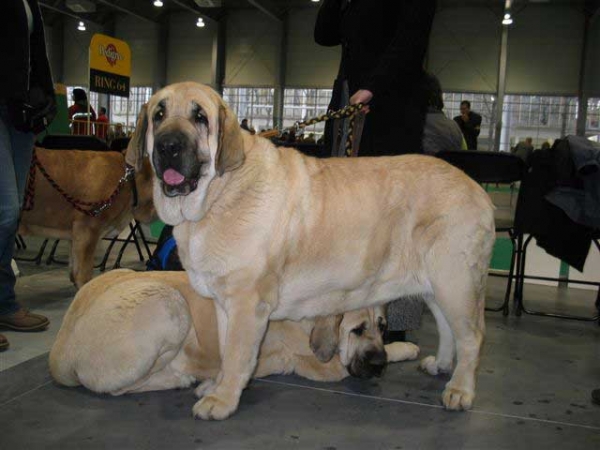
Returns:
(271,234)
(89,176)
(133,332)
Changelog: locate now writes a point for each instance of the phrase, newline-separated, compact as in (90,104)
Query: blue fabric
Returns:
(164,252)
(15,157)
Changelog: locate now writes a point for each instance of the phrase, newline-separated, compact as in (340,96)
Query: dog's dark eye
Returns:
(158,115)
(200,118)
(382,327)
(359,330)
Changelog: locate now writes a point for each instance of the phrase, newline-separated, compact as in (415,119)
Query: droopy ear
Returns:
(136,149)
(324,337)
(230,153)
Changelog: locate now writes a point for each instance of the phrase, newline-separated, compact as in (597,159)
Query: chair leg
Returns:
(519,280)
(144,240)
(134,230)
(117,264)
(102,266)
(37,259)
(22,242)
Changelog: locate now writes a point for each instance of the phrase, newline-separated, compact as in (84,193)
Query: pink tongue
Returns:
(172,177)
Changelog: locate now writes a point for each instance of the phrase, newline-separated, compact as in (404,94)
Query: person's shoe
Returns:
(23,320)
(596,396)
(3,343)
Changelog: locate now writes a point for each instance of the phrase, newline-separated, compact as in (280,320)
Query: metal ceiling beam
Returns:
(272,14)
(70,14)
(125,11)
(193,10)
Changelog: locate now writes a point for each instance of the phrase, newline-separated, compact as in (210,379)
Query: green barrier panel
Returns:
(156,228)
(501,255)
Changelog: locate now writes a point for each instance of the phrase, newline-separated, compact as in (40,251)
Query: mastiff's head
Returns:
(358,338)
(191,137)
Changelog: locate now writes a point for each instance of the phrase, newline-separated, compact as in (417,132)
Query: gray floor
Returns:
(534,392)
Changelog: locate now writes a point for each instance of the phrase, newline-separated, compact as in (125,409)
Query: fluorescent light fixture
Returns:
(507,19)
(200,23)
(81,26)
(315,1)
(158,3)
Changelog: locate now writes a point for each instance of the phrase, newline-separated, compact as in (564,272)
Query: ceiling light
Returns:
(315,1)
(200,23)
(81,26)
(507,19)
(158,3)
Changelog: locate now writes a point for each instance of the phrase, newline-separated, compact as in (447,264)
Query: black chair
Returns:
(533,216)
(72,142)
(119,144)
(494,168)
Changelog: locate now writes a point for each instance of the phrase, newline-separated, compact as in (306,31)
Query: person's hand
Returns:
(363,96)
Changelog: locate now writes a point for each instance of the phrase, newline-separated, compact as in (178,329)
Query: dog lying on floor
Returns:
(133,332)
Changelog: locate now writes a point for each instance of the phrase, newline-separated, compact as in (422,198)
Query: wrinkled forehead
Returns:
(182,101)
(358,316)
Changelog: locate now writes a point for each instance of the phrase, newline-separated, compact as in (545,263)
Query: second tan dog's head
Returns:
(191,137)
(357,336)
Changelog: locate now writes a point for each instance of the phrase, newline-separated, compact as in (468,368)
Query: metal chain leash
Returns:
(349,111)
(95,208)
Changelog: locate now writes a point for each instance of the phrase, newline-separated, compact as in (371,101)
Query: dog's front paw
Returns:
(455,399)
(401,351)
(205,388)
(431,366)
(213,407)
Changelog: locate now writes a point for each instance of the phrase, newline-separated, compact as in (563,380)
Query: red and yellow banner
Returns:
(110,65)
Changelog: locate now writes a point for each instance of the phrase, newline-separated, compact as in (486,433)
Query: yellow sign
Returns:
(110,65)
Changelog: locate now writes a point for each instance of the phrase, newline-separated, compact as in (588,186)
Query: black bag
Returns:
(34,114)
(165,256)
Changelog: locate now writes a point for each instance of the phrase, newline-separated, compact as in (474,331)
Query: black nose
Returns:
(376,357)
(170,145)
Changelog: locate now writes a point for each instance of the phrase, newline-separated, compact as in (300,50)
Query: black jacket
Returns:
(384,41)
(471,129)
(24,58)
(383,47)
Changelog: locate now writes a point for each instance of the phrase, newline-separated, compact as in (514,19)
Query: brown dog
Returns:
(132,332)
(88,176)
(271,234)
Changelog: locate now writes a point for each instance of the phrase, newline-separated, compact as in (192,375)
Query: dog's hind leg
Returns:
(83,248)
(463,312)
(442,363)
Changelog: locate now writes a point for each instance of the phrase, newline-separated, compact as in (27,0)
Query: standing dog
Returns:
(270,234)
(88,176)
(133,332)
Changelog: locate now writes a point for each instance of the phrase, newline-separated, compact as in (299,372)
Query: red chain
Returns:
(95,208)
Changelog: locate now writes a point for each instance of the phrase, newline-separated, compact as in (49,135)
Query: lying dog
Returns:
(134,332)
(271,234)
(88,176)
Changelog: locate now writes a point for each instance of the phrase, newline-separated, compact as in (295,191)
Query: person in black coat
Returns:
(27,105)
(383,48)
(469,123)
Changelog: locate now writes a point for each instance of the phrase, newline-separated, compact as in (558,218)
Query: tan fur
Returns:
(133,332)
(285,236)
(88,176)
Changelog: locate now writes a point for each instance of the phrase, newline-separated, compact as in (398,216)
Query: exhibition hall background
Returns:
(551,62)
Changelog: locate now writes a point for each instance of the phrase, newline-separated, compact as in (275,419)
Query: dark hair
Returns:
(79,95)
(466,102)
(102,110)
(433,91)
